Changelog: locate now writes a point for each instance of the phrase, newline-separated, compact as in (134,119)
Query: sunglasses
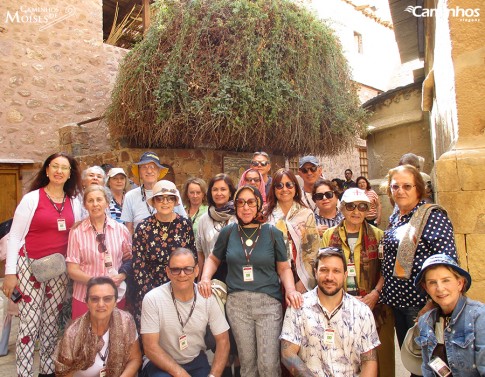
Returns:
(405,187)
(289,185)
(255,180)
(362,207)
(100,238)
(178,270)
(313,169)
(321,195)
(260,163)
(105,299)
(164,199)
(250,202)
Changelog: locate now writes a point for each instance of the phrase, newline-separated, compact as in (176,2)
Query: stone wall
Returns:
(55,70)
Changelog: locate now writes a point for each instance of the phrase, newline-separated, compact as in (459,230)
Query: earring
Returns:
(47,175)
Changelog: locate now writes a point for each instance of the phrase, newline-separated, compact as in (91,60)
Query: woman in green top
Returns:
(195,200)
(256,257)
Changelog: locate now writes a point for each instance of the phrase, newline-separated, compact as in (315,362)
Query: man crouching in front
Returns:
(173,324)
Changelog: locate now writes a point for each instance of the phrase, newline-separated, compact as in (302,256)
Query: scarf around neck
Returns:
(222,214)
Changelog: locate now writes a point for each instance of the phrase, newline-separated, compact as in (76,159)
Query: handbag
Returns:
(48,267)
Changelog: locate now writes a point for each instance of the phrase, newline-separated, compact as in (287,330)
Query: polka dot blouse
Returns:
(437,237)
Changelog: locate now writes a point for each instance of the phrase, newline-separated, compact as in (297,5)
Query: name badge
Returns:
(329,336)
(108,261)
(440,367)
(183,342)
(351,270)
(102,373)
(380,251)
(61,225)
(248,273)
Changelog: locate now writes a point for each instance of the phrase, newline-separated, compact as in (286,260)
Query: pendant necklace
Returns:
(249,242)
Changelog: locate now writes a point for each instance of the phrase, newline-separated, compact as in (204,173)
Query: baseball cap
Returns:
(308,159)
(354,195)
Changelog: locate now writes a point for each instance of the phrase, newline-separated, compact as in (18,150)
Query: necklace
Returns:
(165,233)
(249,242)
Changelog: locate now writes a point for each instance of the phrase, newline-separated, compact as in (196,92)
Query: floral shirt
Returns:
(153,242)
(437,237)
(355,334)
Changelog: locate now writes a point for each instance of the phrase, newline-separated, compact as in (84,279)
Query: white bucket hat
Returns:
(411,353)
(166,188)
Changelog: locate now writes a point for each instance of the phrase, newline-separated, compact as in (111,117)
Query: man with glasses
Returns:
(333,333)
(174,322)
(310,171)
(261,163)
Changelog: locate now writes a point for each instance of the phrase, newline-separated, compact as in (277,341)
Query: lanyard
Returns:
(59,211)
(248,255)
(334,313)
(176,309)
(144,198)
(104,228)
(308,202)
(105,356)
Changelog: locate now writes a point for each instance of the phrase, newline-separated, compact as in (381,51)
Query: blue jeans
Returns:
(404,319)
(199,367)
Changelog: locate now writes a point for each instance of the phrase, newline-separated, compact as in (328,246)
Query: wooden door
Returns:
(10,191)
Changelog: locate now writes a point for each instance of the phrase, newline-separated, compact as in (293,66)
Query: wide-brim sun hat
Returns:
(441,260)
(115,171)
(165,188)
(352,195)
(411,356)
(146,158)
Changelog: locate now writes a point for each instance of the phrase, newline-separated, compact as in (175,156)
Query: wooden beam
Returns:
(146,15)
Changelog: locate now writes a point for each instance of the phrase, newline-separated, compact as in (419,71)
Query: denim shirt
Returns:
(464,339)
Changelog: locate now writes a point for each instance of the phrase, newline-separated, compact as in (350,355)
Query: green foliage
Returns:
(237,75)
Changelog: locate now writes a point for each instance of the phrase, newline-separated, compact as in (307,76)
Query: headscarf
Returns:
(258,218)
(261,188)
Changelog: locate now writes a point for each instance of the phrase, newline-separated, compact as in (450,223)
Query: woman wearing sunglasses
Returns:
(154,240)
(416,231)
(359,240)
(96,248)
(286,210)
(253,177)
(257,260)
(325,197)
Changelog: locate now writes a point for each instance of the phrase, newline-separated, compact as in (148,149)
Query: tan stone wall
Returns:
(52,74)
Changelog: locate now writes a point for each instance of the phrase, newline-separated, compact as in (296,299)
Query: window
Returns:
(364,162)
(358,42)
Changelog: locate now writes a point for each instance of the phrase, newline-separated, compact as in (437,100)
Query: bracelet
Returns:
(378,291)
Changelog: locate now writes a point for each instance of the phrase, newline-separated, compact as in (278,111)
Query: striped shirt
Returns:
(374,200)
(83,250)
(329,222)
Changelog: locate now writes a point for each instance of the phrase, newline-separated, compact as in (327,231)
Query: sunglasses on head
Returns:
(250,202)
(101,246)
(260,163)
(279,186)
(362,207)
(313,169)
(321,195)
(329,249)
(189,270)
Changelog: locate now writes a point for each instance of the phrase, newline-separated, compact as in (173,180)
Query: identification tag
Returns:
(108,261)
(183,342)
(440,367)
(248,273)
(102,373)
(61,225)
(329,336)
(351,270)
(380,251)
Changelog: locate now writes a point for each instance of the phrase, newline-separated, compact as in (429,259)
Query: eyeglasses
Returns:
(405,187)
(62,167)
(151,166)
(321,195)
(250,202)
(313,169)
(362,207)
(255,180)
(165,199)
(105,299)
(279,186)
(189,270)
(260,163)
(101,246)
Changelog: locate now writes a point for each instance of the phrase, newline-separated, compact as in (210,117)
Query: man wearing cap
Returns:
(359,240)
(333,333)
(135,206)
(174,322)
(349,183)
(261,163)
(310,171)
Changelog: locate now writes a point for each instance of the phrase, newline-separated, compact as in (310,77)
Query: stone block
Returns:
(476,260)
(466,209)
(14,116)
(447,173)
(460,241)
(470,165)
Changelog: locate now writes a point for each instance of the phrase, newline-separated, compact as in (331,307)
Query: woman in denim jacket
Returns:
(451,336)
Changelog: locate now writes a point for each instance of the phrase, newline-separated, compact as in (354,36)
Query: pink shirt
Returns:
(374,199)
(44,237)
(83,250)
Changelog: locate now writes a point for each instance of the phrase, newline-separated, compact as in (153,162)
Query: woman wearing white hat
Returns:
(118,185)
(451,336)
(359,240)
(154,240)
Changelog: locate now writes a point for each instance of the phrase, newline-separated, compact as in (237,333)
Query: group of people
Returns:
(307,284)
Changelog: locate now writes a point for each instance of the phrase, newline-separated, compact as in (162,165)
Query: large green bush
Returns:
(237,75)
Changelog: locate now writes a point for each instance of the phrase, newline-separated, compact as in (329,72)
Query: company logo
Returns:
(43,16)
(465,14)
